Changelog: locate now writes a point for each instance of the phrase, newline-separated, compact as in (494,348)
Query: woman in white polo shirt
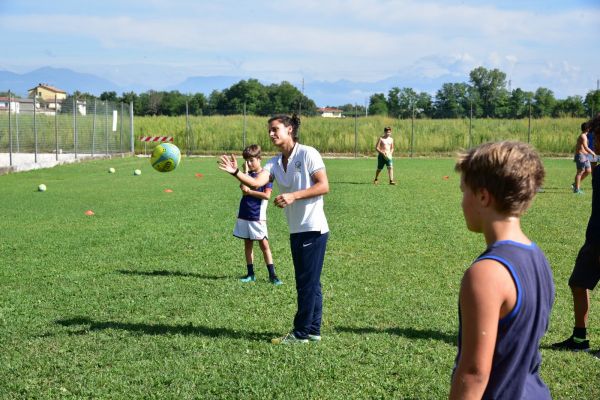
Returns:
(300,174)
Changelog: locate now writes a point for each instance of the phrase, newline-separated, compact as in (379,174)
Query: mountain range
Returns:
(323,93)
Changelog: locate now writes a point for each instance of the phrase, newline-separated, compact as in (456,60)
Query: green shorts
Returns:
(381,161)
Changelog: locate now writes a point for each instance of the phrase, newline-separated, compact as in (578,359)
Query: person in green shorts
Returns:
(385,150)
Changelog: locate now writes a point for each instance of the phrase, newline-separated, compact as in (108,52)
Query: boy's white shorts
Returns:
(253,230)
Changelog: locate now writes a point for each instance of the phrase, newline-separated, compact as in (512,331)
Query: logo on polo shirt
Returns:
(297,164)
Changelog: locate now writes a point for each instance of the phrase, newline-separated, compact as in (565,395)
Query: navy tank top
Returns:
(516,363)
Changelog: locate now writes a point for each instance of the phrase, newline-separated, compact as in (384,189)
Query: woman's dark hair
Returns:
(286,120)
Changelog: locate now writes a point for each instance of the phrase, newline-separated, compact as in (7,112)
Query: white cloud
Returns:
(356,39)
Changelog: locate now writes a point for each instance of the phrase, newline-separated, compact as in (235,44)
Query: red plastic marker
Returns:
(168,191)
(199,175)
(446,177)
(89,212)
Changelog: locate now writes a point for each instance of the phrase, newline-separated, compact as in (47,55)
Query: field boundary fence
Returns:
(37,130)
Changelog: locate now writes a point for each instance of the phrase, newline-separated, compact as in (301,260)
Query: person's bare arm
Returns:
(266,195)
(380,147)
(584,145)
(485,297)
(229,164)
(320,187)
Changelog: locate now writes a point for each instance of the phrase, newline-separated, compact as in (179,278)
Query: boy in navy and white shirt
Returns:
(251,224)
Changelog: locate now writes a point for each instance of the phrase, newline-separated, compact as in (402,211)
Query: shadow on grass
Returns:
(352,183)
(410,333)
(87,325)
(171,273)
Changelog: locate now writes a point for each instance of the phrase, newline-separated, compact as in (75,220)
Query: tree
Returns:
(251,93)
(393,102)
(518,103)
(490,89)
(592,102)
(543,103)
(425,104)
(196,104)
(286,98)
(378,105)
(402,102)
(572,106)
(109,96)
(452,101)
(129,97)
(173,103)
(154,102)
(216,101)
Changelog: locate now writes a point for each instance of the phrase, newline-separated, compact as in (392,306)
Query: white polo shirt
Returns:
(303,215)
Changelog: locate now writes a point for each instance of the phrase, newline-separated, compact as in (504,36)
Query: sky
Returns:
(551,43)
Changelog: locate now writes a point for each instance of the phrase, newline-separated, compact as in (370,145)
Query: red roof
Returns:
(48,87)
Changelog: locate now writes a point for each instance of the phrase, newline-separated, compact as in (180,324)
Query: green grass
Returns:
(141,300)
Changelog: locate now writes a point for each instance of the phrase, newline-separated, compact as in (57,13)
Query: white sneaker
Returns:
(314,338)
(288,339)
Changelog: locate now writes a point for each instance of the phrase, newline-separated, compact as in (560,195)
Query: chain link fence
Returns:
(36,129)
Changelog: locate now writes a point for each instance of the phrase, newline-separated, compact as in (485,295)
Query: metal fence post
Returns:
(529,125)
(94,130)
(10,155)
(244,129)
(17,130)
(75,125)
(470,124)
(131,127)
(56,126)
(187,128)
(412,131)
(121,128)
(355,132)
(35,136)
(106,124)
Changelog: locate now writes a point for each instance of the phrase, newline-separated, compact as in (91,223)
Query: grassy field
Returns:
(141,300)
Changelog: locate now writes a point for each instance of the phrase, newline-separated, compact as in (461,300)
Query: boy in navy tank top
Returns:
(506,295)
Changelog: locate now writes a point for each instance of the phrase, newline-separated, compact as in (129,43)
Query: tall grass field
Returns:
(550,136)
(142,299)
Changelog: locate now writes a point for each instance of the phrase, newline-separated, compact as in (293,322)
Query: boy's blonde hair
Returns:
(511,172)
(251,151)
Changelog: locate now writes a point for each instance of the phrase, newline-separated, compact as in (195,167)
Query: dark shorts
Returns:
(586,273)
(582,161)
(382,161)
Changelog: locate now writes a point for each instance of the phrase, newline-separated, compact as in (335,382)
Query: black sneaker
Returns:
(573,344)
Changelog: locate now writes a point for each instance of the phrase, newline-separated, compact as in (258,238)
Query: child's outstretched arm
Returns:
(266,195)
(484,300)
(229,164)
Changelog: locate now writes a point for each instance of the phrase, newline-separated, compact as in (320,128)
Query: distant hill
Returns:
(61,78)
(324,93)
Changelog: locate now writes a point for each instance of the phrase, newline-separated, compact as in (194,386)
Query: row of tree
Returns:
(485,96)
